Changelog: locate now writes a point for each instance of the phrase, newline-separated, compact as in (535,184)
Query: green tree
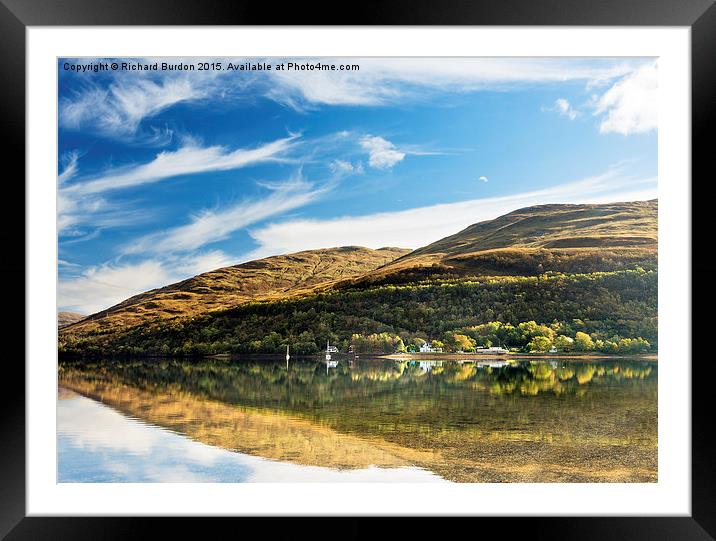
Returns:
(459,342)
(563,343)
(583,342)
(539,344)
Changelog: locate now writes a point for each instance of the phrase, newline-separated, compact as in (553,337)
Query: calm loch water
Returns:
(363,420)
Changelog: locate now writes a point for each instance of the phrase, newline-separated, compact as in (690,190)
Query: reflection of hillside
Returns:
(65,394)
(546,378)
(267,434)
(526,422)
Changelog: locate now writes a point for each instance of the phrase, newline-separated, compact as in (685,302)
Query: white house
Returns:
(427,348)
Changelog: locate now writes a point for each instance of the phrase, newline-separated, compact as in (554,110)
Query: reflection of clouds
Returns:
(203,454)
(98,444)
(270,471)
(177,474)
(90,425)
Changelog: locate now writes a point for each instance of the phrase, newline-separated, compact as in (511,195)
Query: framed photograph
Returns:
(434,263)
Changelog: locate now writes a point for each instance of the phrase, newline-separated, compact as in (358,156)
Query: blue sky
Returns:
(166,174)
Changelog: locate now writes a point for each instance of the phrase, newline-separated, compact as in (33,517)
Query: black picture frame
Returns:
(16,15)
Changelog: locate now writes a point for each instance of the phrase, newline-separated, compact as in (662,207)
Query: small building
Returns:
(427,348)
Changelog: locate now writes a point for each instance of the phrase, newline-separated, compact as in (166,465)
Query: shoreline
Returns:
(652,357)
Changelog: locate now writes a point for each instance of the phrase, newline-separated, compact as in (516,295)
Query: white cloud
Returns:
(631,104)
(118,110)
(420,226)
(300,89)
(390,80)
(74,212)
(70,166)
(131,97)
(564,108)
(189,159)
(173,255)
(214,225)
(80,202)
(382,154)
(342,167)
(91,426)
(186,267)
(483,179)
(102,286)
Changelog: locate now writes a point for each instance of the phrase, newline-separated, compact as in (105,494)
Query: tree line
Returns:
(605,311)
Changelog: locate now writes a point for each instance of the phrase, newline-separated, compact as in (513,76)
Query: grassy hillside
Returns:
(271,278)
(534,240)
(553,226)
(575,268)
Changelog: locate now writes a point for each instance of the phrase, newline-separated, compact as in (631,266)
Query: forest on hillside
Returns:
(605,311)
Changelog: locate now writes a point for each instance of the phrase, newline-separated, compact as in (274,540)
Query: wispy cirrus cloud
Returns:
(117,110)
(69,162)
(627,106)
(209,226)
(388,81)
(120,105)
(188,160)
(82,201)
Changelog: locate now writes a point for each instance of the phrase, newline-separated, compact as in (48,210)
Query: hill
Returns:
(271,278)
(540,271)
(68,318)
(534,240)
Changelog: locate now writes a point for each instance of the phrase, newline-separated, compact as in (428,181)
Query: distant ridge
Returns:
(68,318)
(263,279)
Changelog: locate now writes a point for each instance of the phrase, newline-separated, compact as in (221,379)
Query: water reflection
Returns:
(485,421)
(96,444)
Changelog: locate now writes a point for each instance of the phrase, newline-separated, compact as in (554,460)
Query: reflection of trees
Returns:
(597,417)
(307,384)
(538,377)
